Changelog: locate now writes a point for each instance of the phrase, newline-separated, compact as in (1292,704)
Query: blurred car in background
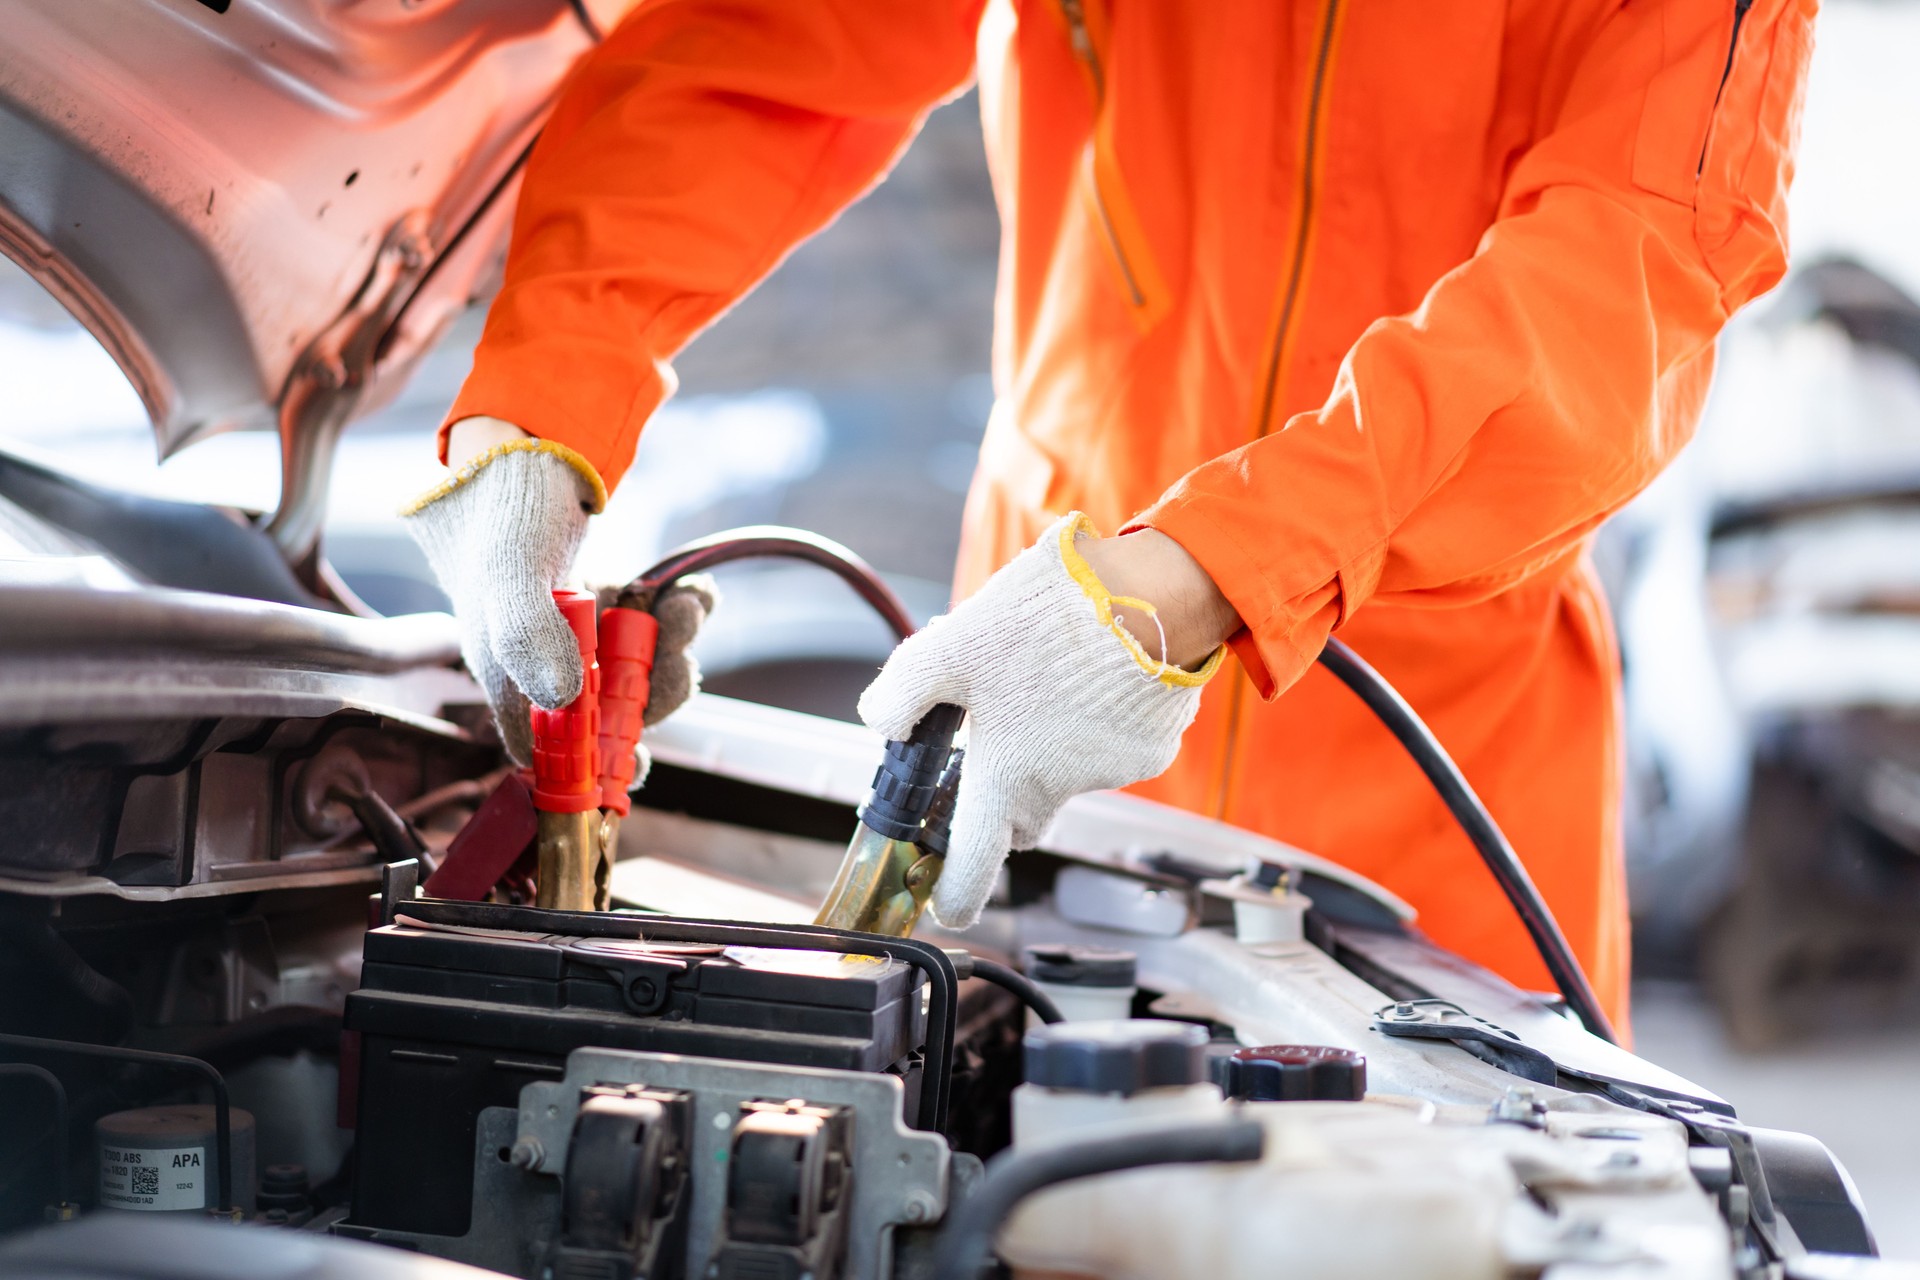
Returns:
(1768,592)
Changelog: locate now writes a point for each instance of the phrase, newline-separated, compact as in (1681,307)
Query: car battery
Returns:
(451,1019)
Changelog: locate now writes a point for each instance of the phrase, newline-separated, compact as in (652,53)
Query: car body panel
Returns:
(252,207)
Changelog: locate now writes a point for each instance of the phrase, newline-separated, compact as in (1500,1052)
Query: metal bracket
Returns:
(399,885)
(900,1175)
(1444,1020)
(1711,1130)
(516,1216)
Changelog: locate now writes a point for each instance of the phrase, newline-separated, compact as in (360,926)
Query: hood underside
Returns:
(266,210)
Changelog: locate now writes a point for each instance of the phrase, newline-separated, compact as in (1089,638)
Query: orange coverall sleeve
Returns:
(1541,384)
(689,152)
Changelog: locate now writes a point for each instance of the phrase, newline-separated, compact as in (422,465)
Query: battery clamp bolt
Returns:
(528,1154)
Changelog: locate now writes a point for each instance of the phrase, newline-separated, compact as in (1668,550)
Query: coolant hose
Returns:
(1412,732)
(966,1243)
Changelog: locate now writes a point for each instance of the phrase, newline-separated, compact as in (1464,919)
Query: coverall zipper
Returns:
(1290,297)
(1075,12)
(1740,8)
(1081,39)
(1296,269)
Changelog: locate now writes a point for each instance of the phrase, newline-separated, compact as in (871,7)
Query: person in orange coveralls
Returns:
(1344,317)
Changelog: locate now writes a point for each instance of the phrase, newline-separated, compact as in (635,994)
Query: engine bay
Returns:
(297,955)
(700,1083)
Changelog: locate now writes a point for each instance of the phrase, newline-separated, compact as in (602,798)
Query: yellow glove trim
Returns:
(1104,601)
(472,467)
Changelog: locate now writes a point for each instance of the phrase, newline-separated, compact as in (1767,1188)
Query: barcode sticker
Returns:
(153,1179)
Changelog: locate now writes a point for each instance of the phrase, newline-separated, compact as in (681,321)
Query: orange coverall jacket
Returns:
(1378,307)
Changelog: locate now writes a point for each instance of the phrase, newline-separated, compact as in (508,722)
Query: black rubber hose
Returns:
(222,1107)
(1400,719)
(86,982)
(758,542)
(966,1242)
(1020,986)
(59,1092)
(391,835)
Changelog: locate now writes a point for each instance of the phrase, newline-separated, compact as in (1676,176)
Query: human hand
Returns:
(500,534)
(1060,698)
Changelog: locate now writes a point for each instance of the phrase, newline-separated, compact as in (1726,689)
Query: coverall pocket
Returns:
(1718,124)
(1109,204)
(1746,164)
(1691,51)
(1111,207)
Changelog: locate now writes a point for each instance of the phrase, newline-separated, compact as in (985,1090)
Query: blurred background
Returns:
(1766,589)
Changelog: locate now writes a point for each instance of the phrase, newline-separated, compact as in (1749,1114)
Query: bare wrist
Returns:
(1193,613)
(470,437)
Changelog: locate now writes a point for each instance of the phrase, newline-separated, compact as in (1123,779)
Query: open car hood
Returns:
(266,210)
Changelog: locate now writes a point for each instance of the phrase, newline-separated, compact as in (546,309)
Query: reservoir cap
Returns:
(1294,1073)
(1124,1056)
(1070,966)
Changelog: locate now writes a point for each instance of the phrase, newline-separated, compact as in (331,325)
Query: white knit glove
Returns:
(1060,700)
(500,535)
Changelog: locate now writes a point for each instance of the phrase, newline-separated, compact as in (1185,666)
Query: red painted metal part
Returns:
(499,832)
